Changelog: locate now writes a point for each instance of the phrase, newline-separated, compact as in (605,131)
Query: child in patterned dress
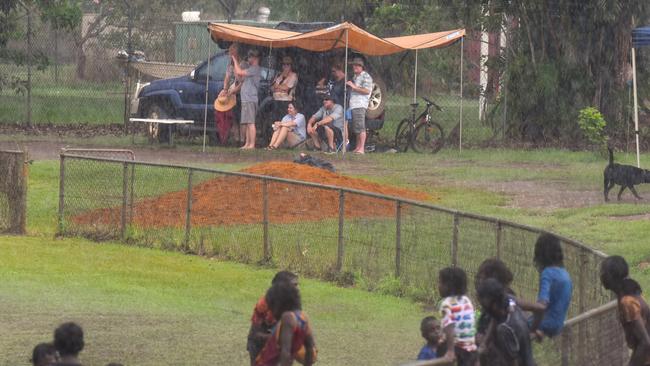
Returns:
(457,317)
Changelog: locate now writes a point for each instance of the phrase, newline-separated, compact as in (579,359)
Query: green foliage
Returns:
(62,14)
(593,124)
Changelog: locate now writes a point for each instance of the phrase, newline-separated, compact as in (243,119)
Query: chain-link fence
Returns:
(374,241)
(13,191)
(75,76)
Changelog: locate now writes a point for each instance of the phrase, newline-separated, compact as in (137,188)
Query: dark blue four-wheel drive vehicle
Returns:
(184,97)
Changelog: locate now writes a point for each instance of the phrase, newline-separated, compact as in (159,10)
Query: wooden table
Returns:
(164,121)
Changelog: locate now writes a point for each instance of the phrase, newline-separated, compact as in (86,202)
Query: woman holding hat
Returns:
(283,87)
(226,100)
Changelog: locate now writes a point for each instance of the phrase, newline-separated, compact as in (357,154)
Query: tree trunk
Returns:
(81,63)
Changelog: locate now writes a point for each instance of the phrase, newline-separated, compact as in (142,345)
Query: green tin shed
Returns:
(193,39)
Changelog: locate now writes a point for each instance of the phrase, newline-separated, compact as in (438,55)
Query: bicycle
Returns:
(420,133)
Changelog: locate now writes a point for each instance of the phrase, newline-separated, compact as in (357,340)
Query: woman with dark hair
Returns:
(555,288)
(292,337)
(633,311)
(292,128)
(284,88)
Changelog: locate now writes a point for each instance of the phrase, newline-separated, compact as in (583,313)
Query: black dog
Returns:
(625,176)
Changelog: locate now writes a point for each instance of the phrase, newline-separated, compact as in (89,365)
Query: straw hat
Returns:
(225,102)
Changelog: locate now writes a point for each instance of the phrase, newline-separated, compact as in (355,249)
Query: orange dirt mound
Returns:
(230,200)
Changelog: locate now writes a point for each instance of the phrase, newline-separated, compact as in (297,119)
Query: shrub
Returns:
(593,124)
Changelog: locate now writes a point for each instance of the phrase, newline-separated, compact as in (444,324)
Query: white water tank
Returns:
(263,14)
(191,16)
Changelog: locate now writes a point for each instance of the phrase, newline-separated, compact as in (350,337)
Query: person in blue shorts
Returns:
(555,289)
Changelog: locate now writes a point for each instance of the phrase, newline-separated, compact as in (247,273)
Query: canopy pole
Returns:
(207,88)
(415,81)
(636,108)
(345,97)
(460,131)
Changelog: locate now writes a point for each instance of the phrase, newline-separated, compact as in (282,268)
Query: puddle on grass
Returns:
(631,217)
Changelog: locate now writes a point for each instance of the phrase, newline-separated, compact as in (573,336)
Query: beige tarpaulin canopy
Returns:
(333,37)
(345,35)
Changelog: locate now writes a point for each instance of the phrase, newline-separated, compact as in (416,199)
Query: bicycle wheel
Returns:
(402,135)
(428,137)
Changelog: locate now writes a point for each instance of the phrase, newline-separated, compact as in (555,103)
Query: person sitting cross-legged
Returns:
(327,124)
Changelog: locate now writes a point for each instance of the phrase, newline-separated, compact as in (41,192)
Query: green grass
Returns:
(148,307)
(67,100)
(137,288)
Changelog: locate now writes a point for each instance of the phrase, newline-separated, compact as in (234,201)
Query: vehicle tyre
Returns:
(377,98)
(402,135)
(428,137)
(157,131)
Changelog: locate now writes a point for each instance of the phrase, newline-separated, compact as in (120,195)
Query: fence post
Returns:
(265,218)
(398,238)
(565,346)
(61,192)
(582,307)
(499,227)
(132,193)
(188,211)
(125,198)
(339,256)
(454,242)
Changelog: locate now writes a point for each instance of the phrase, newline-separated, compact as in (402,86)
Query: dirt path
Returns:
(546,196)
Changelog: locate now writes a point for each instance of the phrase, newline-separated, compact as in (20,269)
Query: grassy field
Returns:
(67,100)
(149,307)
(127,296)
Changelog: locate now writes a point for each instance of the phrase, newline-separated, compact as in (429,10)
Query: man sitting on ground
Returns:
(327,124)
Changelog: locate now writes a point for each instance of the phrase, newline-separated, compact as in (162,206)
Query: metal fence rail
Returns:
(378,242)
(13,192)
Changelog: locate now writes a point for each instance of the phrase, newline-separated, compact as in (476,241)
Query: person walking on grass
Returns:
(263,320)
(633,311)
(360,89)
(291,338)
(248,93)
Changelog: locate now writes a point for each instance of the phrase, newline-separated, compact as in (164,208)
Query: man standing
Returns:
(327,124)
(361,86)
(249,99)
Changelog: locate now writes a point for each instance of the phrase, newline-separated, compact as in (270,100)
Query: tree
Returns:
(563,55)
(65,13)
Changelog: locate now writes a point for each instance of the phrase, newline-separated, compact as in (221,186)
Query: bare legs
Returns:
(361,143)
(249,133)
(278,137)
